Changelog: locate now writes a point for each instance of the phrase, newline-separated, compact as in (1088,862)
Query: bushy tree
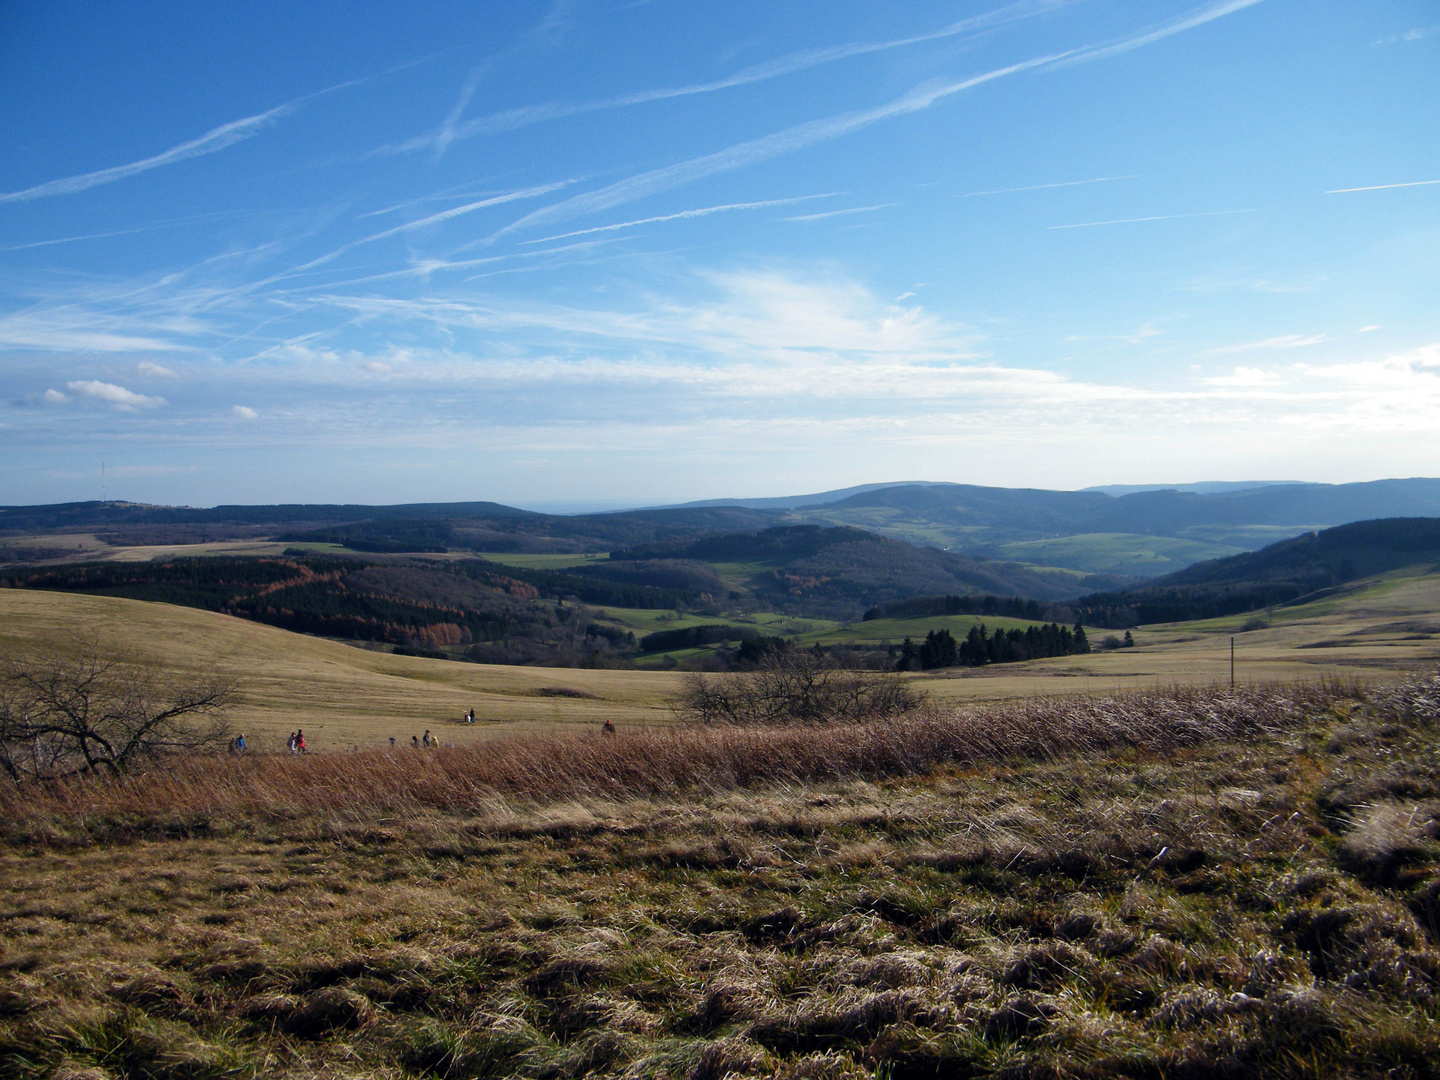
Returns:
(795,686)
(85,714)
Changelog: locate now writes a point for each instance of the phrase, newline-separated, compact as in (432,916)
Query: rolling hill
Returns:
(1302,567)
(1122,533)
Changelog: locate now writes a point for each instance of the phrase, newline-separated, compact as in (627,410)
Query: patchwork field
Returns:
(345,696)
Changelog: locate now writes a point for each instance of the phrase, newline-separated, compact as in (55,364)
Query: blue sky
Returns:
(653,251)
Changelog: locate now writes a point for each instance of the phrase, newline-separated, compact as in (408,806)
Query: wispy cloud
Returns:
(761,149)
(243,412)
(448,132)
(838,213)
(822,130)
(426,222)
(1043,187)
(83,330)
(114,232)
(1382,187)
(1199,17)
(159,371)
(125,400)
(513,119)
(1419,33)
(1284,341)
(1155,217)
(703,211)
(213,141)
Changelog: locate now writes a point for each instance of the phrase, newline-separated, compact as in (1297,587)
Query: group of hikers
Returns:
(417,742)
(296,743)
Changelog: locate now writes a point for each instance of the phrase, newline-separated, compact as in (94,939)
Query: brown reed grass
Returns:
(363,786)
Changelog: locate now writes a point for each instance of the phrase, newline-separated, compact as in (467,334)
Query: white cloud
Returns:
(244,412)
(125,400)
(1243,377)
(1419,33)
(159,371)
(55,397)
(378,367)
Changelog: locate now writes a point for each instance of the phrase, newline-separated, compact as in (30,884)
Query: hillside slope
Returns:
(1277,574)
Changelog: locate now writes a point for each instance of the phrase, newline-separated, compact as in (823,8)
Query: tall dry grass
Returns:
(364,786)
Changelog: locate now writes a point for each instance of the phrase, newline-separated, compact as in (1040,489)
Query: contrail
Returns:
(703,211)
(1383,187)
(1157,217)
(214,140)
(1042,187)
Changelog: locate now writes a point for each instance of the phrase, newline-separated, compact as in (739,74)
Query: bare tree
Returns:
(87,713)
(793,686)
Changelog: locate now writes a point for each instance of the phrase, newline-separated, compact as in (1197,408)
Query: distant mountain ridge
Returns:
(1138,534)
(1204,487)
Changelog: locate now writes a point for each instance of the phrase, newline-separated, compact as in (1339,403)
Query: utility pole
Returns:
(102,481)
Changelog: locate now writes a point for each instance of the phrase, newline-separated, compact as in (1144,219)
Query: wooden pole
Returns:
(1232,663)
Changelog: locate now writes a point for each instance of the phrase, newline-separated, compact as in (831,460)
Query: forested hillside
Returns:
(1277,574)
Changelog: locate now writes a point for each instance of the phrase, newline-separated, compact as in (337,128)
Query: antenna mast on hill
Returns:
(102,481)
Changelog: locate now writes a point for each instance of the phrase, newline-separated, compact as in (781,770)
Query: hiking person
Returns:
(290,743)
(415,741)
(428,741)
(238,746)
(607,728)
(299,741)
(392,742)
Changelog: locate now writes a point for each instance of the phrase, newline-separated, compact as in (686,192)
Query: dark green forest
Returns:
(980,647)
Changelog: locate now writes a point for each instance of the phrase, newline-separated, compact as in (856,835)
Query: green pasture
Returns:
(648,620)
(542,562)
(740,576)
(1246,537)
(1397,584)
(1133,554)
(901,524)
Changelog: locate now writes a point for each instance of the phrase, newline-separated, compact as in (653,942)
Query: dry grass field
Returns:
(344,697)
(1373,630)
(1091,867)
(1183,884)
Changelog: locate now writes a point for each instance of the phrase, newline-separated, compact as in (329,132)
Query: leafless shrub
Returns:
(71,716)
(794,686)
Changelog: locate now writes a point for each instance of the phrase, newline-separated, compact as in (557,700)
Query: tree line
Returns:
(925,607)
(979,647)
